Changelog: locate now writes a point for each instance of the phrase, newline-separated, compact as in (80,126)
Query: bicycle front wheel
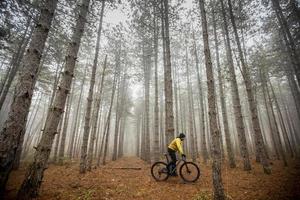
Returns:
(159,171)
(189,172)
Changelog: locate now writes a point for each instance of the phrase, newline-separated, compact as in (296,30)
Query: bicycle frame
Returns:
(177,163)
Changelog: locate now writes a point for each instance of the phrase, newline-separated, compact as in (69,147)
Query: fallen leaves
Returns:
(65,183)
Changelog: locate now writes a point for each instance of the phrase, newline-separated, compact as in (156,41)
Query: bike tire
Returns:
(193,167)
(157,176)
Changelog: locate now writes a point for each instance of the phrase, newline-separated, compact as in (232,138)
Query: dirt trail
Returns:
(64,182)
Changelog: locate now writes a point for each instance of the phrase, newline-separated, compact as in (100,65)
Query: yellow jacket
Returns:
(176,145)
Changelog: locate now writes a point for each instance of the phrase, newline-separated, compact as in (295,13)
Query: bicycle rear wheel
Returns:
(159,171)
(189,172)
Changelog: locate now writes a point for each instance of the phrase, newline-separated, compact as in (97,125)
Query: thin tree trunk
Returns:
(161,129)
(117,122)
(107,130)
(95,117)
(283,127)
(290,43)
(75,125)
(34,175)
(223,100)
(121,140)
(156,146)
(16,122)
(58,139)
(240,127)
(190,107)
(259,145)
(169,118)
(147,69)
(61,152)
(83,158)
(268,108)
(138,134)
(280,146)
(16,62)
(215,132)
(201,110)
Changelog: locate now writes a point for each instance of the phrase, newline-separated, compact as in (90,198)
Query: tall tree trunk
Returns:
(138,134)
(280,145)
(117,121)
(107,129)
(161,124)
(169,116)
(283,127)
(14,126)
(98,130)
(121,139)
(215,132)
(176,82)
(83,158)
(223,100)
(16,62)
(240,127)
(201,99)
(96,116)
(259,144)
(147,69)
(61,152)
(58,138)
(156,146)
(190,107)
(292,131)
(290,43)
(34,175)
(268,109)
(75,125)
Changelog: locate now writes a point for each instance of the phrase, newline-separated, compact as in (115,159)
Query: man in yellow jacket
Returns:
(174,146)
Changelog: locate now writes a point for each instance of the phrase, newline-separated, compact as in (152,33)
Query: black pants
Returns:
(172,154)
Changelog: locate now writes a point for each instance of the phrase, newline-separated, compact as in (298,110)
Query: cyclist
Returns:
(175,145)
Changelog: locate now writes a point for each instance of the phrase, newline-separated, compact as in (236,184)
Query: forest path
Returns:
(64,182)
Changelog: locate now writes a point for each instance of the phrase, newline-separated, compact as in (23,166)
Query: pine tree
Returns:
(15,125)
(34,175)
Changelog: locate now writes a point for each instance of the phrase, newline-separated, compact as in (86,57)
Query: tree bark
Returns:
(280,146)
(268,109)
(259,145)
(156,146)
(75,125)
(83,157)
(223,99)
(96,116)
(107,126)
(190,108)
(117,121)
(34,175)
(215,132)
(290,43)
(240,127)
(283,127)
(61,152)
(15,124)
(201,99)
(169,116)
(16,62)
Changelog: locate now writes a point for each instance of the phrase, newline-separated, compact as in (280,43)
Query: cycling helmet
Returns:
(181,135)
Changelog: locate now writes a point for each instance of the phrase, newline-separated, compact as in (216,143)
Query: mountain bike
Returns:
(188,171)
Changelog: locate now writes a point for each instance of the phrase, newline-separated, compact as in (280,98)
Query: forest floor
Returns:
(65,182)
